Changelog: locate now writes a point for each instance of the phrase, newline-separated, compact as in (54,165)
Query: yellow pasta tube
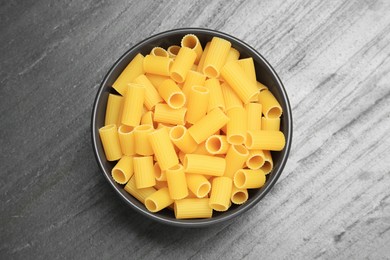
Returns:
(217,144)
(192,208)
(147,119)
(191,41)
(173,50)
(204,164)
(203,58)
(201,149)
(182,139)
(158,51)
(260,86)
(265,140)
(249,179)
(255,160)
(158,200)
(235,76)
(198,103)
(123,170)
(237,126)
(268,163)
(126,139)
(271,107)
(198,184)
(230,97)
(113,110)
(220,193)
(133,69)
(110,141)
(193,79)
(249,68)
(271,124)
(141,139)
(232,55)
(156,80)
(159,174)
(133,104)
(139,194)
(151,95)
(182,64)
(235,159)
(165,114)
(144,172)
(253,112)
(157,65)
(172,94)
(208,125)
(163,149)
(216,97)
(160,184)
(177,183)
(216,57)
(239,196)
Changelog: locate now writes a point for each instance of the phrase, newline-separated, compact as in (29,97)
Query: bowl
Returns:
(265,74)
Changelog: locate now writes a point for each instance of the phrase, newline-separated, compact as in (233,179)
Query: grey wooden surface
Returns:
(333,199)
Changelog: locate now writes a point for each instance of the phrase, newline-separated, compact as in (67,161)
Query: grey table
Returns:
(333,199)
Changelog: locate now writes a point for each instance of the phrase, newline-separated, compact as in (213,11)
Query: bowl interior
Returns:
(265,74)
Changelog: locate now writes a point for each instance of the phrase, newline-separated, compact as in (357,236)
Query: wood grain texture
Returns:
(333,198)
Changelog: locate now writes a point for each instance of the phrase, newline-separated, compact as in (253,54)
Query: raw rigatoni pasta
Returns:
(141,139)
(239,196)
(193,79)
(271,124)
(113,110)
(110,141)
(165,114)
(249,179)
(144,172)
(156,80)
(157,65)
(173,50)
(151,95)
(133,70)
(237,79)
(159,174)
(158,200)
(237,126)
(235,159)
(182,64)
(182,139)
(147,119)
(249,68)
(253,112)
(177,183)
(268,162)
(123,170)
(260,86)
(217,144)
(220,193)
(198,184)
(230,97)
(126,139)
(208,125)
(216,57)
(265,140)
(198,103)
(158,51)
(133,104)
(192,42)
(271,106)
(232,55)
(172,94)
(163,149)
(216,97)
(139,194)
(255,159)
(204,164)
(192,208)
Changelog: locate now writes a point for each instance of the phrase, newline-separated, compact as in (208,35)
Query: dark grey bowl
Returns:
(265,74)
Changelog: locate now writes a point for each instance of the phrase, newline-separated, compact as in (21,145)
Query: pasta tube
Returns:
(177,183)
(158,200)
(126,139)
(268,163)
(237,126)
(220,193)
(141,139)
(271,107)
(198,103)
(133,104)
(265,140)
(157,65)
(173,50)
(255,160)
(217,144)
(235,159)
(113,110)
(193,79)
(151,95)
(253,112)
(204,164)
(216,97)
(123,170)
(216,57)
(271,124)
(163,149)
(144,172)
(172,94)
(182,64)
(239,196)
(249,179)
(158,51)
(230,97)
(165,114)
(110,141)
(192,208)
(133,70)
(192,42)
(182,139)
(198,184)
(139,194)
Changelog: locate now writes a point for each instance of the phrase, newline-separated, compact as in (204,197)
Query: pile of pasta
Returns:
(192,128)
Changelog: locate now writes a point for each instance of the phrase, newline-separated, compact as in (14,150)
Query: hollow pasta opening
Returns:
(213,144)
(150,205)
(255,162)
(239,197)
(200,89)
(249,140)
(218,207)
(177,77)
(158,51)
(177,100)
(236,139)
(119,176)
(157,171)
(239,179)
(203,190)
(177,132)
(240,149)
(267,167)
(211,72)
(107,127)
(175,168)
(173,50)
(274,112)
(125,129)
(189,41)
(143,128)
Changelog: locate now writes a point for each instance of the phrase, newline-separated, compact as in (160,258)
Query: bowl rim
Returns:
(242,208)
